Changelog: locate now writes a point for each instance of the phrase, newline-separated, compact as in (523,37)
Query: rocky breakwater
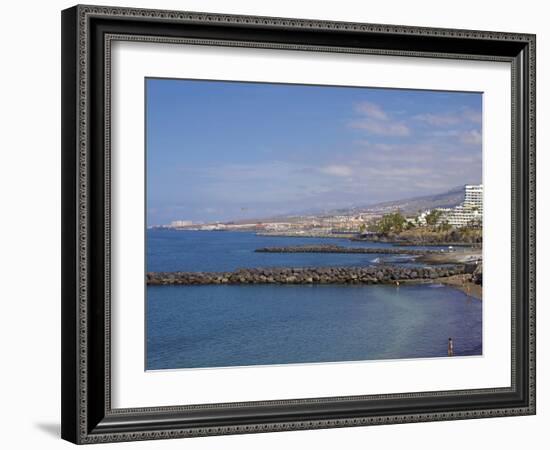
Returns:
(316,275)
(340,249)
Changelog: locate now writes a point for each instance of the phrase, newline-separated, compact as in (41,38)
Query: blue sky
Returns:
(229,150)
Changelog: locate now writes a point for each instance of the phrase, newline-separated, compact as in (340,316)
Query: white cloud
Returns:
(371,110)
(472,137)
(448,119)
(465,159)
(382,128)
(439,120)
(472,115)
(444,133)
(377,121)
(337,170)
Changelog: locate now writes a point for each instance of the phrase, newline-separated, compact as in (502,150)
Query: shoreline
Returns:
(461,264)
(351,236)
(304,234)
(463,283)
(331,248)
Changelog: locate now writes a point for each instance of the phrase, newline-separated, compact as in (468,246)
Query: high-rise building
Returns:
(473,196)
(469,212)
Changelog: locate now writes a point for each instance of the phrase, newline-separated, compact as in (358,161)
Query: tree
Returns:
(445,226)
(433,217)
(391,223)
(474,223)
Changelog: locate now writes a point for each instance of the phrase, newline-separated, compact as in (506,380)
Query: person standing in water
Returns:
(450,350)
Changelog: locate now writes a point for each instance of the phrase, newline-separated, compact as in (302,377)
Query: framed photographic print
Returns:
(278,224)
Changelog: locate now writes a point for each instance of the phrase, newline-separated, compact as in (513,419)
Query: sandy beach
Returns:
(463,283)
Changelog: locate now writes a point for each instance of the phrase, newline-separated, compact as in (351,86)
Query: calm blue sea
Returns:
(218,326)
(213,251)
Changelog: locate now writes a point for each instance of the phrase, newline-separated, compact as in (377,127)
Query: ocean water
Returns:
(216,251)
(232,325)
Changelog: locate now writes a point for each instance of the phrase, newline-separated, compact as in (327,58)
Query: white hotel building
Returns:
(469,212)
(180,223)
(473,196)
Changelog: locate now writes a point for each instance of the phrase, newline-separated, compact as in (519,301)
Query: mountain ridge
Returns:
(408,206)
(448,199)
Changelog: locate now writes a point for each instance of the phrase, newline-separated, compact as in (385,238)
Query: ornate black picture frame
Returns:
(87,33)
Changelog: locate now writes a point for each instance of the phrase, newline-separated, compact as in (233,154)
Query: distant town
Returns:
(468,213)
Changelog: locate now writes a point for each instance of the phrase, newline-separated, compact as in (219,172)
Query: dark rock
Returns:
(324,275)
(477,275)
